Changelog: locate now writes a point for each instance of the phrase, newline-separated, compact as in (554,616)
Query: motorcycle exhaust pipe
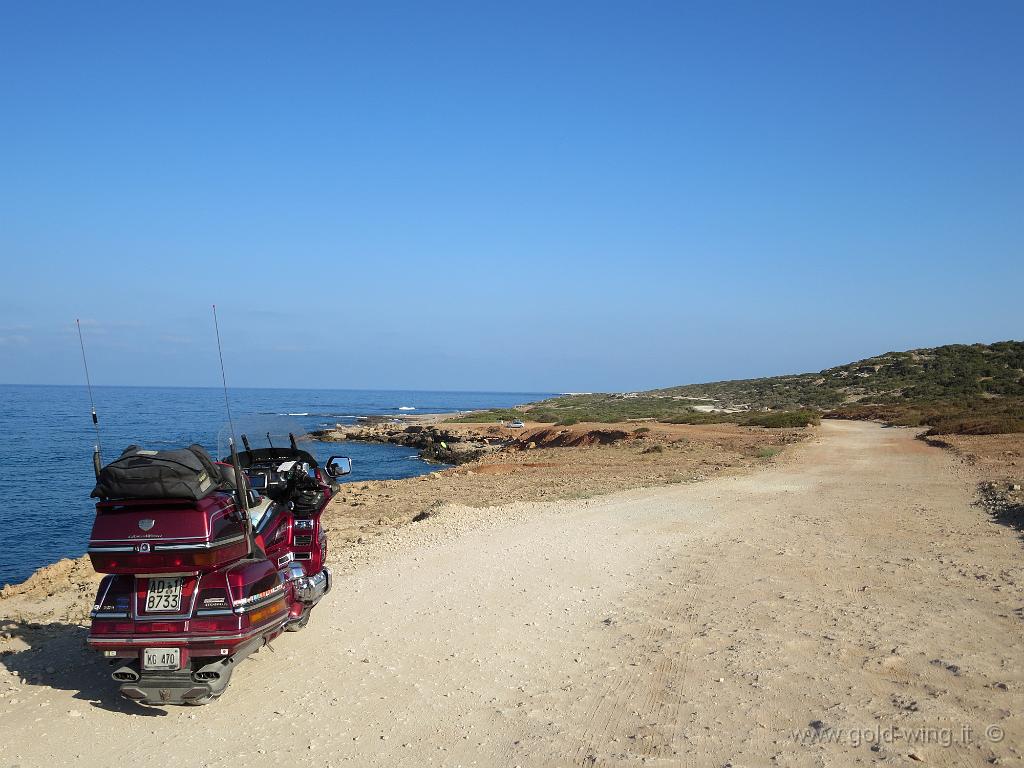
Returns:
(215,670)
(125,675)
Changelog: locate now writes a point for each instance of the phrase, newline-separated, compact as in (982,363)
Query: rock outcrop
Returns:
(435,444)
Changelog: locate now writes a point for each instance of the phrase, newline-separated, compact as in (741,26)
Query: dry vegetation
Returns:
(956,389)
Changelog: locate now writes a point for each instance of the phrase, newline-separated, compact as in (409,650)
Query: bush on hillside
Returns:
(783,419)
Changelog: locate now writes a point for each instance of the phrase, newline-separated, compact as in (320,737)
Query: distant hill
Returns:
(966,388)
(952,372)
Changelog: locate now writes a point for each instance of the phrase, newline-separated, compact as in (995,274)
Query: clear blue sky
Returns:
(504,196)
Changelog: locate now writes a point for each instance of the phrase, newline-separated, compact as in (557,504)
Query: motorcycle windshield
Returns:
(260,439)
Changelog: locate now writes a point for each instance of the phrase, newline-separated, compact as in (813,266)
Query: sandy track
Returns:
(853,586)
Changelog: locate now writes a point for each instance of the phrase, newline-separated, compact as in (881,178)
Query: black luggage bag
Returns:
(185,473)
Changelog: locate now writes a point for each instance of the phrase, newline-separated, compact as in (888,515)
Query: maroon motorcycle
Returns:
(207,562)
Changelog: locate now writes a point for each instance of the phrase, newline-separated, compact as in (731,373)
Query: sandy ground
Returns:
(847,605)
(997,457)
(659,454)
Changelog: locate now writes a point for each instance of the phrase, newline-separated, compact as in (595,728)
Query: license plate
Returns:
(164,595)
(161,658)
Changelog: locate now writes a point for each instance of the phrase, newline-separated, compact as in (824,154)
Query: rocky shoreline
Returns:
(436,444)
(456,443)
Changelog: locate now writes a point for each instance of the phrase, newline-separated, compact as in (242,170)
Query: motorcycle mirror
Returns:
(338,465)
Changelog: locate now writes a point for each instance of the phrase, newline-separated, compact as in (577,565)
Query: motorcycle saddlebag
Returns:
(186,473)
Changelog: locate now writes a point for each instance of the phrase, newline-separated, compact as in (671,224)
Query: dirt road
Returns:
(799,615)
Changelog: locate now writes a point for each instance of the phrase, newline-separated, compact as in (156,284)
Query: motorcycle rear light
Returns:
(203,559)
(164,561)
(112,627)
(264,613)
(218,624)
(156,627)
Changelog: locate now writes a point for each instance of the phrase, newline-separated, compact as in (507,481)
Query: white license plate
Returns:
(161,658)
(164,595)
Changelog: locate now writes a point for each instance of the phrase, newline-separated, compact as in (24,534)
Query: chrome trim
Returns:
(101,550)
(147,537)
(240,609)
(204,545)
(100,615)
(260,598)
(223,612)
(309,589)
(192,639)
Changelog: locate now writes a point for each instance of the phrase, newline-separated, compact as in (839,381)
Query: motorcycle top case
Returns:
(185,473)
(166,535)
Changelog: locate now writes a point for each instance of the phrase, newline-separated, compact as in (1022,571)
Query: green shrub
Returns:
(970,389)
(702,417)
(963,416)
(490,416)
(783,419)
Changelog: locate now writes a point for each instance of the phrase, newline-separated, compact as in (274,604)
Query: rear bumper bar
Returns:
(183,686)
(174,688)
(196,644)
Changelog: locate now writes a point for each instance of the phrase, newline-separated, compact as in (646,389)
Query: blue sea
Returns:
(47,439)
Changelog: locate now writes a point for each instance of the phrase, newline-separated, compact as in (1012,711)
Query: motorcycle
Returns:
(206,562)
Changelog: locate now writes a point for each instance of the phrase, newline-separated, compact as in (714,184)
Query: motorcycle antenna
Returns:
(97,462)
(240,491)
(223,377)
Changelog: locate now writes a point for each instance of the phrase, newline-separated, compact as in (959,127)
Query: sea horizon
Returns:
(231,387)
